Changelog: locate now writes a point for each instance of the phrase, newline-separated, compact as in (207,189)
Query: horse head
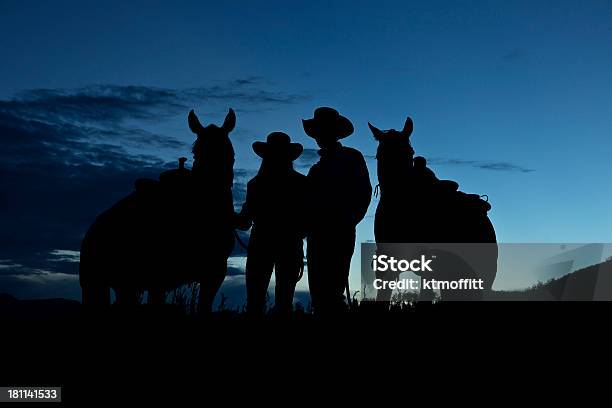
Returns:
(395,153)
(213,153)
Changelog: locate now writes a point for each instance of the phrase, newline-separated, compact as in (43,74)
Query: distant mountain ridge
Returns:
(586,284)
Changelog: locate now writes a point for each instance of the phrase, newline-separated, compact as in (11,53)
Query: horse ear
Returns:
(408,127)
(194,123)
(378,134)
(230,121)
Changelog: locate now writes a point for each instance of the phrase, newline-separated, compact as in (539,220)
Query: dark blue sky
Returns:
(510,100)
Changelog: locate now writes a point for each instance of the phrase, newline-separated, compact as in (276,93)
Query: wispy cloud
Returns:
(27,282)
(66,155)
(493,165)
(114,104)
(310,156)
(481,164)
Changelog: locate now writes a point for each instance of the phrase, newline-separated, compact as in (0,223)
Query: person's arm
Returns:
(364,188)
(244,219)
(316,201)
(304,207)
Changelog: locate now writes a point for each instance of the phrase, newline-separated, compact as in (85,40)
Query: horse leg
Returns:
(210,284)
(127,296)
(95,295)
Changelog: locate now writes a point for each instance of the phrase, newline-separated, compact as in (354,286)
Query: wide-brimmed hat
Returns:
(278,144)
(328,122)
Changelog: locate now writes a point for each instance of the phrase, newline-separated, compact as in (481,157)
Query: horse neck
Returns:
(394,176)
(217,176)
(213,182)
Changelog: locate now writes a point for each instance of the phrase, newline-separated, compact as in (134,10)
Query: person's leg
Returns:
(127,296)
(316,267)
(332,254)
(258,273)
(210,283)
(286,271)
(346,248)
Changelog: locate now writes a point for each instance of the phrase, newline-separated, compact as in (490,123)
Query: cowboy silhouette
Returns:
(340,191)
(274,205)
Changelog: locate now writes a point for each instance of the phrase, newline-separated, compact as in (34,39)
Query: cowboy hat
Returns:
(278,143)
(327,122)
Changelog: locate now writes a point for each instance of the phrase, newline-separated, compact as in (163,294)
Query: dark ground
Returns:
(161,353)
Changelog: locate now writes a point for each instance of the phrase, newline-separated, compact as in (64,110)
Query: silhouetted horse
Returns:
(168,232)
(416,207)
